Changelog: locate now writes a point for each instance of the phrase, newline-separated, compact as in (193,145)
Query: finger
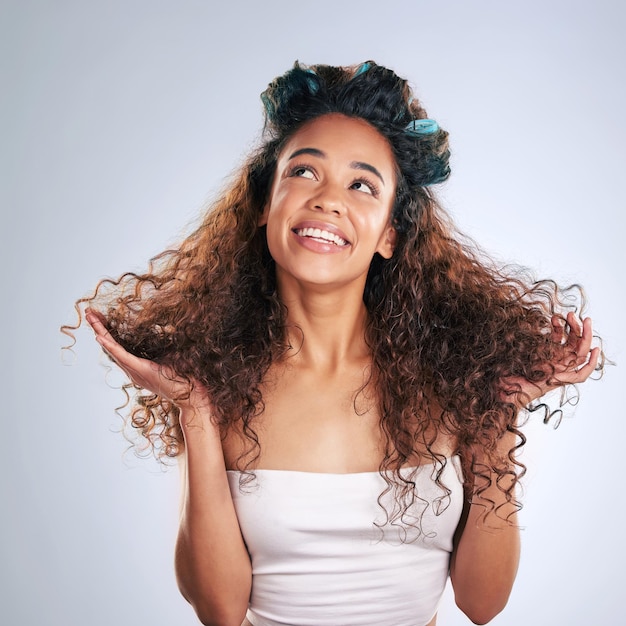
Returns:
(579,339)
(92,315)
(582,373)
(575,330)
(594,359)
(113,349)
(581,342)
(558,329)
(587,337)
(97,321)
(110,345)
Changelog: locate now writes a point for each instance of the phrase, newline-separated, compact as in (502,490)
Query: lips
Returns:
(323,233)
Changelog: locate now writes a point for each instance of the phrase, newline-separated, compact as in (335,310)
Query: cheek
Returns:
(375,224)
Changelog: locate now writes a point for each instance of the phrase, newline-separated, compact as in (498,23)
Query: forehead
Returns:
(342,137)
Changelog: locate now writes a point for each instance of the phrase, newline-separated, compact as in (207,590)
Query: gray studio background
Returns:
(121,119)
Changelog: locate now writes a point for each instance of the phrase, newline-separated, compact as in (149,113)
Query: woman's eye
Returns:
(302,172)
(360,185)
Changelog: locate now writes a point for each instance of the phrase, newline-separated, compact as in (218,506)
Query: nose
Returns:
(329,198)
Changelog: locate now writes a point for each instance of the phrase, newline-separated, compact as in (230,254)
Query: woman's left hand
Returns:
(575,363)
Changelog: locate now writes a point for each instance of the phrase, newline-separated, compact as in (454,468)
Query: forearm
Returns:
(484,565)
(486,556)
(212,564)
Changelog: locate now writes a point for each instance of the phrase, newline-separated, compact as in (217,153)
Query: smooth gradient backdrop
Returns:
(120,119)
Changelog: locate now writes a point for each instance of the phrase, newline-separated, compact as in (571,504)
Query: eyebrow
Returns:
(357,165)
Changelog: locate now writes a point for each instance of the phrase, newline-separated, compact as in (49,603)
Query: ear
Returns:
(387,243)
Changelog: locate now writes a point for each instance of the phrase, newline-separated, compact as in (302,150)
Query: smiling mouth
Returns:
(323,236)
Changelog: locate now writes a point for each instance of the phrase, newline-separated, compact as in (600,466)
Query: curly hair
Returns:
(446,326)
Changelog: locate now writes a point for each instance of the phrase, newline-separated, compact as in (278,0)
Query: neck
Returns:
(325,327)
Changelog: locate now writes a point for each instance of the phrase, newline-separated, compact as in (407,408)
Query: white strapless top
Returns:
(318,559)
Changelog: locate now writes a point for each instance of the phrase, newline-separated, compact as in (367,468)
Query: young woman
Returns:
(340,373)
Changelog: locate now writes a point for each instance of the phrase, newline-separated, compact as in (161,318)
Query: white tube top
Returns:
(319,560)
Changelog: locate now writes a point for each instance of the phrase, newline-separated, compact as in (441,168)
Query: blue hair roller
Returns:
(422,127)
(362,68)
(313,83)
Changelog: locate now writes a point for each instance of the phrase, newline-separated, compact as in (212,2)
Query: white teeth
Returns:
(321,235)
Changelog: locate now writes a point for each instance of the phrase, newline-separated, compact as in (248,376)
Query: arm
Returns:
(212,565)
(487,551)
(486,554)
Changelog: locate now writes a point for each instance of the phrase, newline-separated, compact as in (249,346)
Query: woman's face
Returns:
(330,204)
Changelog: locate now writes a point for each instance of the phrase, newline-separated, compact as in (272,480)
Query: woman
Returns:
(340,373)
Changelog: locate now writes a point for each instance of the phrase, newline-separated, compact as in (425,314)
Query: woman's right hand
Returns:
(158,379)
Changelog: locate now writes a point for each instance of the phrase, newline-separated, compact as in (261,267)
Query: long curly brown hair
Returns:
(444,322)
